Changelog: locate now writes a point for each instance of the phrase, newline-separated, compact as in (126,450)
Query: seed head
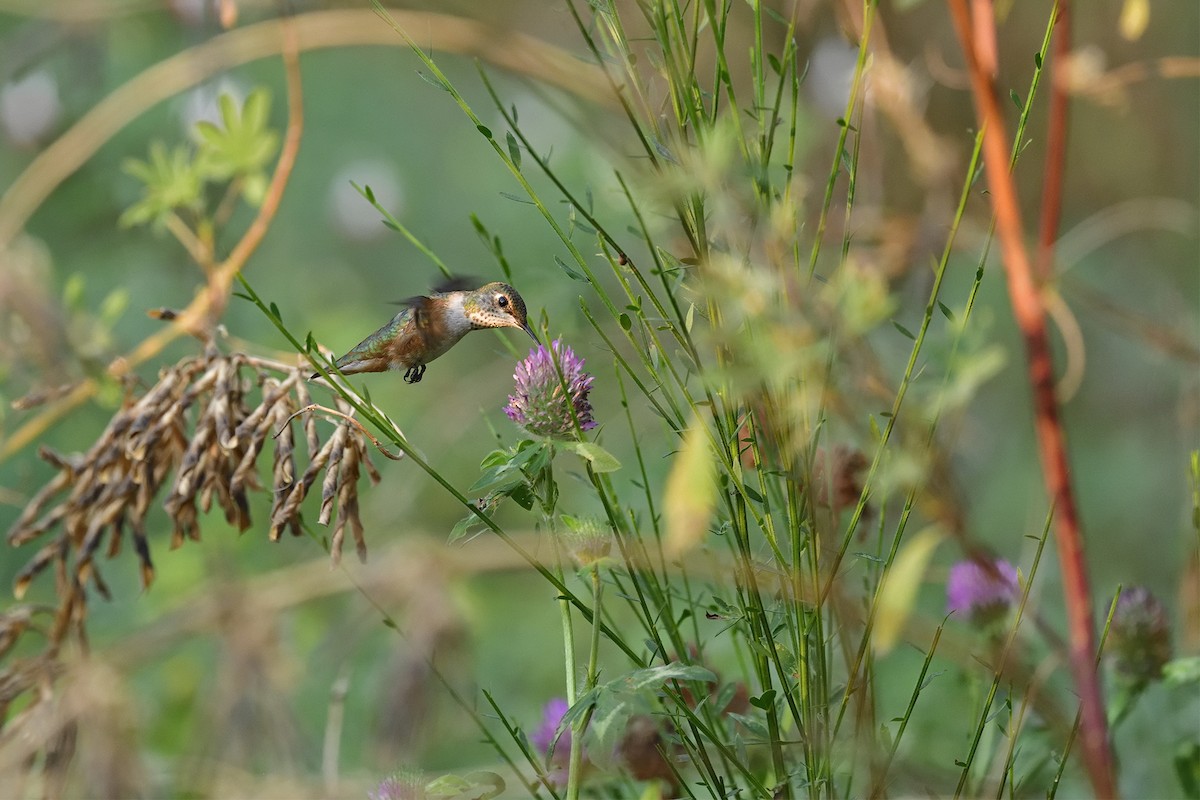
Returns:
(1140,636)
(588,540)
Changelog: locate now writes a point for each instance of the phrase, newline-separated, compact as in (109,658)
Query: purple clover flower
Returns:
(984,594)
(1140,636)
(538,404)
(543,737)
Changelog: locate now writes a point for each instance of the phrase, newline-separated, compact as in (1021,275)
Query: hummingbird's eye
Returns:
(502,300)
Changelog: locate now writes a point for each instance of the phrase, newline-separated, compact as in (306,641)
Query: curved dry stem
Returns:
(317,30)
(77,11)
(210,301)
(1076,349)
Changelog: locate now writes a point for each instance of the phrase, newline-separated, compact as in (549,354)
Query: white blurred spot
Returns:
(191,12)
(830,75)
(30,108)
(352,215)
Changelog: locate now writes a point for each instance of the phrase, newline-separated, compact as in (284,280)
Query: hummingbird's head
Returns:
(497,305)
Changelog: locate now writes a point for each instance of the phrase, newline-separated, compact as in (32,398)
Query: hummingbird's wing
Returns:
(374,353)
(456,283)
(420,308)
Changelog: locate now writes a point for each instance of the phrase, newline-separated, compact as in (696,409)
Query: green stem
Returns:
(574,774)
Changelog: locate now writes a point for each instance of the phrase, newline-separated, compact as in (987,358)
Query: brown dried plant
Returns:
(194,439)
(149,447)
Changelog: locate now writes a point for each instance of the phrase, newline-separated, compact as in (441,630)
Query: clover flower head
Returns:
(543,736)
(1140,636)
(402,785)
(983,592)
(588,540)
(538,402)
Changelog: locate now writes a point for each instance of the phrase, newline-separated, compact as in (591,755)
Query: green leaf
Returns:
(113,306)
(485,130)
(514,149)
(480,785)
(501,479)
(495,459)
(567,269)
(946,312)
(478,225)
(171,180)
(765,701)
(243,148)
(1187,769)
(523,496)
(755,727)
(463,527)
(433,80)
(1182,671)
(904,330)
(753,495)
(653,677)
(254,188)
(600,459)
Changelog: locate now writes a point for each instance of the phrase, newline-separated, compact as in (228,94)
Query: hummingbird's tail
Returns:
(350,364)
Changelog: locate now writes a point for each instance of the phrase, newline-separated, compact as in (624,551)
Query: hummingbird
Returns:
(431,324)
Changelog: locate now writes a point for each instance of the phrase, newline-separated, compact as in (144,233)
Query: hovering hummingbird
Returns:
(429,325)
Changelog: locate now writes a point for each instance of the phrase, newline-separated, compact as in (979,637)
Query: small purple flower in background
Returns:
(1140,637)
(983,594)
(538,404)
(543,737)
(403,785)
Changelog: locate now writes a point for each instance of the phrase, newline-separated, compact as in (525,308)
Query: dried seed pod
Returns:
(310,422)
(348,508)
(291,507)
(283,470)
(36,565)
(273,392)
(19,536)
(330,484)
(142,547)
(199,457)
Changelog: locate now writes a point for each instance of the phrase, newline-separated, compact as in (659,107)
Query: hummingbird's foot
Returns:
(414,374)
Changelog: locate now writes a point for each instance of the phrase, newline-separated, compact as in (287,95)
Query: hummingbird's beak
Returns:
(525,327)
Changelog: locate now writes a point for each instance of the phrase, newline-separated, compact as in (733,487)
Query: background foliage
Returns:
(227,676)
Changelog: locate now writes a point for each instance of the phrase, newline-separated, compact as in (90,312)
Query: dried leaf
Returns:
(899,591)
(691,492)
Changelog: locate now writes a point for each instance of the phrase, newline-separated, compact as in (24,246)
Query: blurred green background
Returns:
(247,687)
